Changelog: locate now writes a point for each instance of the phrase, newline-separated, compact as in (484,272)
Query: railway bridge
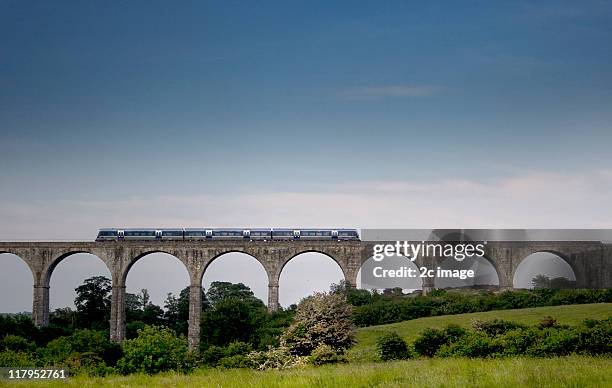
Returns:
(591,262)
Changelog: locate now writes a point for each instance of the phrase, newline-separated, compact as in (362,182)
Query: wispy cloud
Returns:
(389,91)
(532,200)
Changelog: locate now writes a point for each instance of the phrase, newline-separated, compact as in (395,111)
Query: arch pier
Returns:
(591,262)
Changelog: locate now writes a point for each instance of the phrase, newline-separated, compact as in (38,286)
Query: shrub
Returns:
(475,344)
(156,349)
(320,319)
(547,321)
(595,337)
(93,343)
(324,354)
(220,356)
(554,342)
(235,361)
(392,347)
(275,358)
(13,359)
(428,343)
(495,326)
(17,344)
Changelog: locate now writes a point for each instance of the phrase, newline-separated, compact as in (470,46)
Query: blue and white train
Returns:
(186,234)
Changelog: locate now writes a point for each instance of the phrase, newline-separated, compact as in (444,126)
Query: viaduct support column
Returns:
(40,305)
(273,296)
(117,321)
(195,316)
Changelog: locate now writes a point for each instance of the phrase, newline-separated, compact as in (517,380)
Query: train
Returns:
(188,234)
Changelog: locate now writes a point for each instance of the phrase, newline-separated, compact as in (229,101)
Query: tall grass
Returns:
(574,371)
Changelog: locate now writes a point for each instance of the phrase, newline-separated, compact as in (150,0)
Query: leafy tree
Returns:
(233,319)
(93,302)
(219,291)
(156,349)
(320,319)
(144,299)
(177,310)
(354,296)
(63,317)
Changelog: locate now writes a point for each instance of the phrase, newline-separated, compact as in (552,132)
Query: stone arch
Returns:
(283,263)
(50,267)
(218,255)
(126,269)
(26,262)
(560,255)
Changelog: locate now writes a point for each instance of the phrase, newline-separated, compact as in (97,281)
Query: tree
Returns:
(232,319)
(144,298)
(177,310)
(219,291)
(320,319)
(156,349)
(93,302)
(540,281)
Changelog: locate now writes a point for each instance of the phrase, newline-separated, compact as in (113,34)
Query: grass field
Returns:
(571,371)
(365,349)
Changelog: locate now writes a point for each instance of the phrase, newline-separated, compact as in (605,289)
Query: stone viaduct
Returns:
(591,262)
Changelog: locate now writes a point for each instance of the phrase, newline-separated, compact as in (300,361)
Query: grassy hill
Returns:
(365,349)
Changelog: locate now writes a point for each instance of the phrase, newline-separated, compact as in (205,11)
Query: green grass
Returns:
(365,349)
(574,371)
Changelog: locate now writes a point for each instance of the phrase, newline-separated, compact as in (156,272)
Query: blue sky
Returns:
(239,96)
(313,113)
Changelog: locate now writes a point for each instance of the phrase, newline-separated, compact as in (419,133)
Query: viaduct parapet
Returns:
(590,261)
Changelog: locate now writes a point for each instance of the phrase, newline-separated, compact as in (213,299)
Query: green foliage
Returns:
(13,359)
(391,346)
(85,350)
(218,355)
(543,281)
(353,295)
(431,340)
(16,343)
(220,291)
(325,354)
(320,319)
(502,338)
(385,309)
(93,303)
(156,349)
(177,310)
(496,326)
(275,358)
(232,319)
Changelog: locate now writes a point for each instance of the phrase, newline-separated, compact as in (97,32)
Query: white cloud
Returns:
(534,200)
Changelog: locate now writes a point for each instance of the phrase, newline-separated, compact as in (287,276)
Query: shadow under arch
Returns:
(223,256)
(557,256)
